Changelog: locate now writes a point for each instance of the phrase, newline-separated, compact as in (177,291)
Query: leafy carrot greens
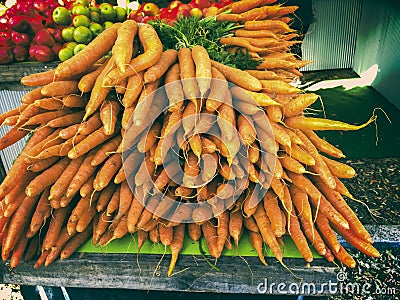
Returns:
(191,31)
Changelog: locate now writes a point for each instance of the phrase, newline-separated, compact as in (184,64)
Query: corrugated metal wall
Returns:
(331,39)
(378,44)
(10,100)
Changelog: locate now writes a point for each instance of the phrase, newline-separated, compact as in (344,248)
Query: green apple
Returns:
(120,14)
(78,48)
(83,2)
(71,45)
(95,9)
(81,10)
(65,53)
(96,29)
(95,17)
(61,16)
(82,35)
(67,34)
(107,24)
(81,20)
(107,12)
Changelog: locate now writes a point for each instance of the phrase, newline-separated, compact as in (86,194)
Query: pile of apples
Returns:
(82,22)
(27,31)
(197,8)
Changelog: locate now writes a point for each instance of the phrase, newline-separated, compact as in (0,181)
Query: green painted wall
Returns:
(378,43)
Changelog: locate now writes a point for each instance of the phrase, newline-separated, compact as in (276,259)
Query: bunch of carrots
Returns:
(71,183)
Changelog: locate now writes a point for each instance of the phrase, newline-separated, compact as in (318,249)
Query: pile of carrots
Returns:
(94,116)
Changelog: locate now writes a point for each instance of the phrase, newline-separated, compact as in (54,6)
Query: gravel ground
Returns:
(377,184)
(372,278)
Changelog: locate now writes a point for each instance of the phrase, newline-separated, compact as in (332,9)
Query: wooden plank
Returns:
(122,271)
(14,72)
(148,272)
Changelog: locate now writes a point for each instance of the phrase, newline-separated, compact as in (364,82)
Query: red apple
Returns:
(202,3)
(150,9)
(174,4)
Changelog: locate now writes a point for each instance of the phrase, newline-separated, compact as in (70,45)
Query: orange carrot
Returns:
(238,77)
(60,88)
(255,34)
(339,169)
(343,256)
(173,88)
(99,90)
(318,200)
(31,96)
(222,230)
(145,102)
(320,166)
(273,25)
(188,74)
(257,243)
(123,46)
(210,234)
(203,68)
(142,237)
(245,5)
(327,233)
(236,225)
(84,172)
(194,231)
(49,103)
(12,136)
(69,132)
(17,225)
(91,141)
(19,168)
(85,220)
(75,242)
(55,251)
(152,52)
(167,59)
(100,46)
(298,104)
(105,149)
(41,78)
(74,101)
(176,246)
(357,242)
(47,178)
(86,82)
(89,126)
(133,89)
(304,123)
(66,120)
(274,213)
(342,207)
(229,18)
(218,90)
(299,238)
(105,197)
(267,234)
(108,115)
(240,42)
(42,212)
(62,183)
(56,222)
(322,145)
(40,261)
